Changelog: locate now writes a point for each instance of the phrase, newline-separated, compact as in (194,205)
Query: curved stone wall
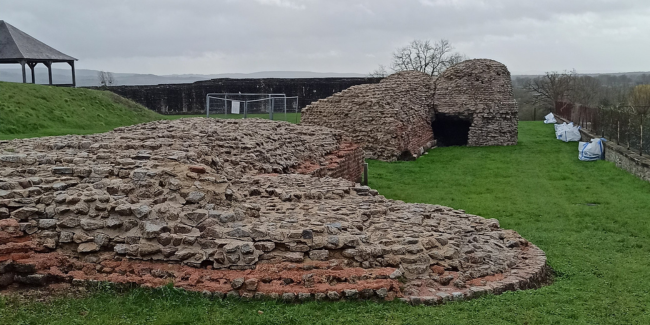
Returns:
(216,206)
(391,120)
(480,91)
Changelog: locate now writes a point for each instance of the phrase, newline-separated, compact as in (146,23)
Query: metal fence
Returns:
(240,105)
(624,125)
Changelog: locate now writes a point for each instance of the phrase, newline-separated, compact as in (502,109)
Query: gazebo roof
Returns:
(16,45)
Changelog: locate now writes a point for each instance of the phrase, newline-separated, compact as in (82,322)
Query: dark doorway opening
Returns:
(450,130)
(406,156)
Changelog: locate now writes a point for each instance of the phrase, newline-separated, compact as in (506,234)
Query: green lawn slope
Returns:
(28,110)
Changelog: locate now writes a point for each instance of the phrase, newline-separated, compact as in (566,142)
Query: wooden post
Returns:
(49,71)
(365,174)
(22,63)
(31,67)
(74,77)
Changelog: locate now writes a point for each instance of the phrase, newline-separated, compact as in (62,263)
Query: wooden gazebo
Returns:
(18,47)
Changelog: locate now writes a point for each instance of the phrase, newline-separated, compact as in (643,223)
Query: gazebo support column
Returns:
(48,64)
(32,65)
(22,63)
(74,77)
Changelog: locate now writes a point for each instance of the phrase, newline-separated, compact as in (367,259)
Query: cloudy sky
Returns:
(223,36)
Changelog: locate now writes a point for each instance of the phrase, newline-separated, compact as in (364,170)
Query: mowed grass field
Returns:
(592,220)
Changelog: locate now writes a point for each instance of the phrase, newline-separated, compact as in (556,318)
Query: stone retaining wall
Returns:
(24,262)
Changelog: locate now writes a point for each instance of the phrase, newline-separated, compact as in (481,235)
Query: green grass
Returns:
(28,110)
(600,253)
(35,110)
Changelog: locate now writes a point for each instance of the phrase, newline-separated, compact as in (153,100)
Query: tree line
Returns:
(538,95)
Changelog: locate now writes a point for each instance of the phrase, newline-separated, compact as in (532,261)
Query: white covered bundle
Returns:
(591,151)
(550,119)
(567,132)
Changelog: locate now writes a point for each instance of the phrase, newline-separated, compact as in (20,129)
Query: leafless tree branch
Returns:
(427,57)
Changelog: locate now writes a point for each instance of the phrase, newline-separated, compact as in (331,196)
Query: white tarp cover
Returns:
(235,107)
(592,151)
(567,132)
(550,119)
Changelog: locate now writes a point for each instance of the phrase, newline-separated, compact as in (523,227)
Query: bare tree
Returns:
(106,79)
(380,72)
(614,95)
(426,57)
(586,91)
(551,88)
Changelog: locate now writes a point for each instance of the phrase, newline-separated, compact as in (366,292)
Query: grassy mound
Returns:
(28,110)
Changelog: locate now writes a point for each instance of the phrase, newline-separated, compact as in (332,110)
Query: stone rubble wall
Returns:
(481,92)
(392,120)
(346,163)
(148,204)
(388,119)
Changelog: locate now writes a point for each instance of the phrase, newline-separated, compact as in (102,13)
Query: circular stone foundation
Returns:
(215,206)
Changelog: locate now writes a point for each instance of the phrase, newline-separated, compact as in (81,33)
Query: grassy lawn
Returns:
(28,110)
(591,219)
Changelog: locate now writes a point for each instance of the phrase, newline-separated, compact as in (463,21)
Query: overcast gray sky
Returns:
(222,36)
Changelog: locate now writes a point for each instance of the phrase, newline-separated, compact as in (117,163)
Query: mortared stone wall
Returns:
(220,206)
(391,120)
(479,91)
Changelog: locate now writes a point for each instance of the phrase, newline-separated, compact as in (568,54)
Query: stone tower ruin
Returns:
(474,105)
(391,120)
(470,104)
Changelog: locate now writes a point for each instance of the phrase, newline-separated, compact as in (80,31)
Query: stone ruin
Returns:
(390,120)
(248,208)
(470,104)
(474,105)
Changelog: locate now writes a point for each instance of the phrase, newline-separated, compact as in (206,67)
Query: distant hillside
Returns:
(88,78)
(34,110)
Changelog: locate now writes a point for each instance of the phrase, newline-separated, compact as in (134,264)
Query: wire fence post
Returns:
(225,106)
(641,138)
